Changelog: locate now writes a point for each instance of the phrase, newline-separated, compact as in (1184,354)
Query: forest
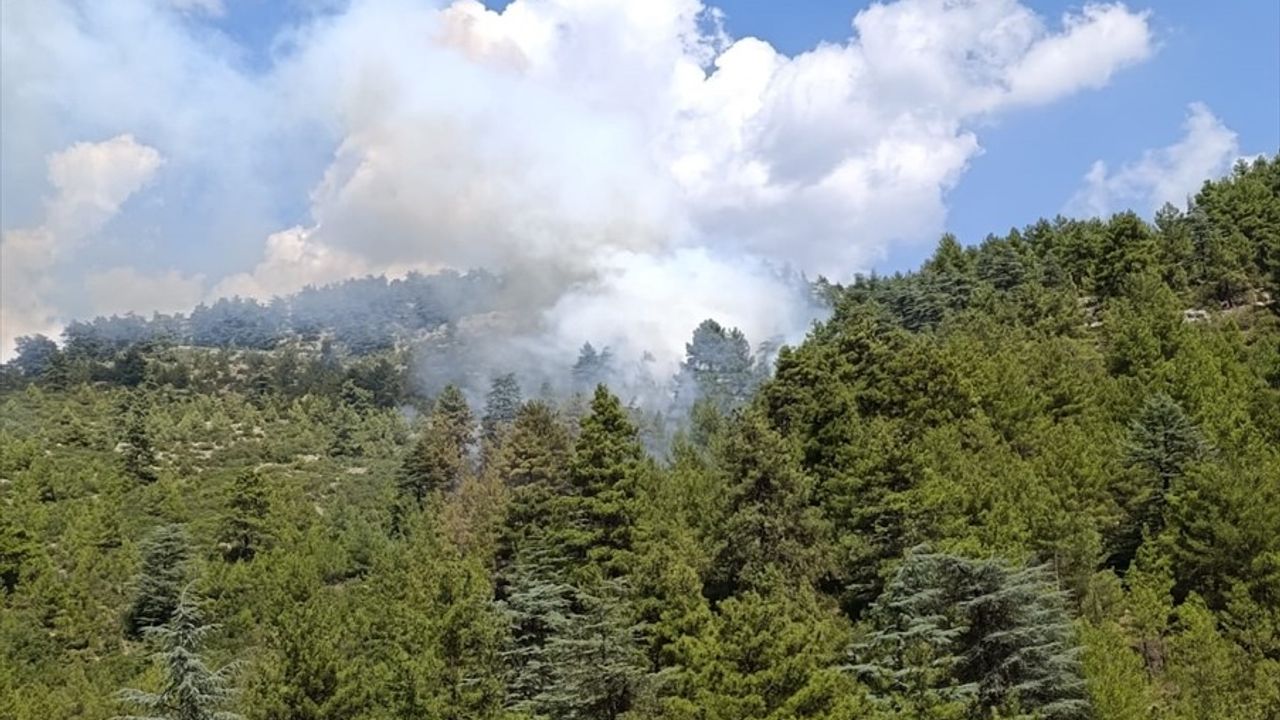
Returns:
(1036,478)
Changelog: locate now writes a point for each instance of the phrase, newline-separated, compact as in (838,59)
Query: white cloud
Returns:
(1170,174)
(553,139)
(126,290)
(90,182)
(1096,43)
(292,261)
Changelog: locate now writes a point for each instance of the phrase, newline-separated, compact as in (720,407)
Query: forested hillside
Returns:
(1037,478)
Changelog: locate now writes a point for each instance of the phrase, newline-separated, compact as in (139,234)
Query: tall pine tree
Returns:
(192,690)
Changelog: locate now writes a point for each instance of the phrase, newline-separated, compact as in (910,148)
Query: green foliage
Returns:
(1081,417)
(717,366)
(954,632)
(501,406)
(442,453)
(772,527)
(191,690)
(244,530)
(138,456)
(604,475)
(160,579)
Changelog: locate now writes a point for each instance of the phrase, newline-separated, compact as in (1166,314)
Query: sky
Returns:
(662,159)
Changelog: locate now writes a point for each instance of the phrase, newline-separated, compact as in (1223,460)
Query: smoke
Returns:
(627,166)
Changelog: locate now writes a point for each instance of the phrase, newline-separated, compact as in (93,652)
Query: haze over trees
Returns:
(1037,478)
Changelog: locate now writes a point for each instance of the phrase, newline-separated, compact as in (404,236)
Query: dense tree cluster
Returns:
(1038,478)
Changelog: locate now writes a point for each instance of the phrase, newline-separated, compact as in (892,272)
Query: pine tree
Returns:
(536,605)
(592,368)
(771,654)
(138,456)
(131,367)
(34,355)
(244,526)
(999,264)
(1130,250)
(534,463)
(501,406)
(599,667)
(772,526)
(973,633)
(442,454)
(717,366)
(192,691)
(16,549)
(345,422)
(1176,247)
(603,474)
(160,580)
(1161,446)
(1163,441)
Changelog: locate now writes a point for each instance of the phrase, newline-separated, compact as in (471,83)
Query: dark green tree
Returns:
(772,527)
(1130,250)
(160,580)
(17,548)
(536,606)
(599,665)
(192,690)
(442,453)
(1000,264)
(972,633)
(533,463)
(1162,444)
(131,367)
(245,529)
(138,456)
(717,366)
(34,355)
(501,406)
(604,476)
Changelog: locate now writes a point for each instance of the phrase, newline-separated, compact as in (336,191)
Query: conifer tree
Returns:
(160,580)
(717,366)
(16,549)
(977,634)
(604,473)
(592,367)
(192,690)
(131,367)
(138,456)
(534,464)
(599,664)
(772,526)
(244,529)
(772,653)
(501,406)
(536,605)
(1163,441)
(343,443)
(571,653)
(1161,446)
(442,454)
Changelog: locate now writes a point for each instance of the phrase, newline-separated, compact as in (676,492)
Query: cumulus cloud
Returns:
(587,148)
(1170,174)
(90,182)
(123,290)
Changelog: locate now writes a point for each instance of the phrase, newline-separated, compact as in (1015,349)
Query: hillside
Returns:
(1037,478)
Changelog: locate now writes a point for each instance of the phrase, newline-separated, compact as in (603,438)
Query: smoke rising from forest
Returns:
(628,167)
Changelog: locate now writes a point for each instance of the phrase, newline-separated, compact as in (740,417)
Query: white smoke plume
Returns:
(629,166)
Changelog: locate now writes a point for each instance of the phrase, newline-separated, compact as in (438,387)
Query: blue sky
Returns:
(159,153)
(1226,55)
